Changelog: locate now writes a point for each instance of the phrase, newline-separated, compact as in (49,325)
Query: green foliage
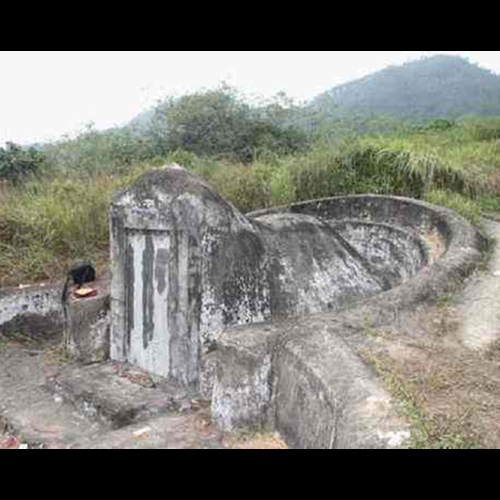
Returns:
(438,125)
(219,123)
(484,129)
(440,87)
(213,124)
(354,169)
(258,156)
(242,186)
(47,224)
(350,167)
(490,204)
(93,151)
(464,206)
(17,163)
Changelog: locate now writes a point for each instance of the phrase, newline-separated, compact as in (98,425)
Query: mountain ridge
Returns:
(441,86)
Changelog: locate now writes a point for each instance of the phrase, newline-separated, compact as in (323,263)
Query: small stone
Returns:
(142,432)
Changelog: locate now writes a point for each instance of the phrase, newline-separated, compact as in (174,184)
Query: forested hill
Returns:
(437,87)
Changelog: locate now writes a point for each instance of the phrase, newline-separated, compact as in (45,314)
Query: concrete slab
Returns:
(46,403)
(116,395)
(28,409)
(171,432)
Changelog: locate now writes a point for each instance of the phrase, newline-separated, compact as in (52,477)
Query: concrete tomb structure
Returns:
(206,297)
(266,314)
(187,265)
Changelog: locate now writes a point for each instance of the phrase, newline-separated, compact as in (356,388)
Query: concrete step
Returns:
(50,404)
(117,395)
(28,409)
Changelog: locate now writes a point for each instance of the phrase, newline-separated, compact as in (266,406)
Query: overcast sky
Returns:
(44,95)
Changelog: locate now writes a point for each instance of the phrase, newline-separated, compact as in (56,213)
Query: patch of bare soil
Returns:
(442,362)
(257,441)
(450,394)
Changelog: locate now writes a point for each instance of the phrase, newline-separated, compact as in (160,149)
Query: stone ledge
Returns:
(115,395)
(32,311)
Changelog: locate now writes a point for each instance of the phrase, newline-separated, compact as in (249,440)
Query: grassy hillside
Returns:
(54,198)
(61,215)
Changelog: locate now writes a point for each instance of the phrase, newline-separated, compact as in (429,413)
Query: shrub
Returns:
(354,168)
(93,152)
(17,163)
(484,129)
(219,123)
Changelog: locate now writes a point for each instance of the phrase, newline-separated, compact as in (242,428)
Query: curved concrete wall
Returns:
(393,253)
(189,271)
(420,219)
(187,265)
(304,376)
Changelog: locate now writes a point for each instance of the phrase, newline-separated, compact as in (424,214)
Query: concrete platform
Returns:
(116,395)
(46,403)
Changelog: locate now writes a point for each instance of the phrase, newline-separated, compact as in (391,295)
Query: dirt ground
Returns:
(442,362)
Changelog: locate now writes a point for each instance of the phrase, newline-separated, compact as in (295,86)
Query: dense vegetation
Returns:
(219,123)
(17,163)
(55,209)
(437,87)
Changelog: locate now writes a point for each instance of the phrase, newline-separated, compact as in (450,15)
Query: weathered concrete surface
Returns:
(304,380)
(243,394)
(31,411)
(187,265)
(31,311)
(393,254)
(89,323)
(42,414)
(180,253)
(305,376)
(172,432)
(311,267)
(188,269)
(327,398)
(115,395)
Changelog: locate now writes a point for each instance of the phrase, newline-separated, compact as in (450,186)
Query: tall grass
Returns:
(464,206)
(50,221)
(353,167)
(4,191)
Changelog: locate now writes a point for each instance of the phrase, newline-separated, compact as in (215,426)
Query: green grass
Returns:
(470,149)
(47,224)
(63,216)
(466,207)
(427,432)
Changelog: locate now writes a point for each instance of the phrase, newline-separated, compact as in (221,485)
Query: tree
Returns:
(220,123)
(16,162)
